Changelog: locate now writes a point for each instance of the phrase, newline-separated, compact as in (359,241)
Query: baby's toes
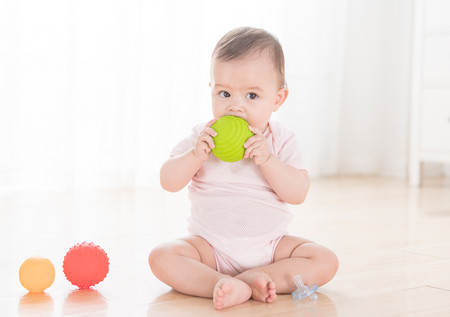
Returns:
(272,296)
(218,298)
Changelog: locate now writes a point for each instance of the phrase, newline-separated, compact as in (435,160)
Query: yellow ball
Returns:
(37,274)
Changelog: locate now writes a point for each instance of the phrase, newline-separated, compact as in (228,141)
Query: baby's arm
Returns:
(289,183)
(178,171)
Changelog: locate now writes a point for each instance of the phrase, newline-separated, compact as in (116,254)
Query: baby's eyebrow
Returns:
(254,88)
(250,88)
(221,86)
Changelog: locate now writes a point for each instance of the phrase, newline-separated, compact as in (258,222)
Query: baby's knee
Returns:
(333,262)
(157,258)
(164,256)
(330,264)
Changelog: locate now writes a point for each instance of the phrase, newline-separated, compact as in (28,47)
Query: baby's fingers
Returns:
(251,146)
(210,123)
(206,138)
(249,142)
(210,131)
(254,130)
(252,140)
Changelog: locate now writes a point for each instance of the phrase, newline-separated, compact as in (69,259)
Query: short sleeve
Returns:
(290,153)
(187,143)
(286,146)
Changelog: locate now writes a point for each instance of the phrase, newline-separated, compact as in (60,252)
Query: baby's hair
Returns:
(243,41)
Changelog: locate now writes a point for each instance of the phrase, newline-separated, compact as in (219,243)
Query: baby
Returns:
(239,248)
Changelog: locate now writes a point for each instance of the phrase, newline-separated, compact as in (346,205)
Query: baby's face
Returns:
(246,88)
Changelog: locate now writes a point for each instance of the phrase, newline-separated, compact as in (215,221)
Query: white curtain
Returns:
(96,93)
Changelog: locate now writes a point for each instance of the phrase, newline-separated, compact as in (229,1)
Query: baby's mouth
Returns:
(236,115)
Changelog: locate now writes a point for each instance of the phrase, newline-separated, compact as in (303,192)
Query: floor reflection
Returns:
(85,301)
(323,307)
(173,303)
(36,304)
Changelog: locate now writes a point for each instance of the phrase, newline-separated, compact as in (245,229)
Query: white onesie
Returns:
(233,206)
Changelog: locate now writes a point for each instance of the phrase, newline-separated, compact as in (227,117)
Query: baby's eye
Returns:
(224,94)
(251,95)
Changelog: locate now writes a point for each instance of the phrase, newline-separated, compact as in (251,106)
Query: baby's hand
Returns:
(256,147)
(205,142)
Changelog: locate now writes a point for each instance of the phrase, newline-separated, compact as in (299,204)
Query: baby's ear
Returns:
(281,97)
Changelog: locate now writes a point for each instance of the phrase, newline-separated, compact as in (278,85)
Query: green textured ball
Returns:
(232,132)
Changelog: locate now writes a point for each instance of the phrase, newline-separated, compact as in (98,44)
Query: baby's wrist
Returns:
(267,160)
(199,157)
(194,154)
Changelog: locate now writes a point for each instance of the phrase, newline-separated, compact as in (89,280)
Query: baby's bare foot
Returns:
(230,291)
(263,288)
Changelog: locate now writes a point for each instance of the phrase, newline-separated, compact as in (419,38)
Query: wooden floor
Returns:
(393,242)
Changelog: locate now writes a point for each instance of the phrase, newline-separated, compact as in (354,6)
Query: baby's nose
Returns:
(235,105)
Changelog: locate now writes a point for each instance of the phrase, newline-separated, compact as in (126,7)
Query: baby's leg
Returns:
(189,266)
(293,255)
(315,263)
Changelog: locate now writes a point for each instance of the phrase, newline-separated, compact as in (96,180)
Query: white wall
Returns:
(107,87)
(313,41)
(375,88)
